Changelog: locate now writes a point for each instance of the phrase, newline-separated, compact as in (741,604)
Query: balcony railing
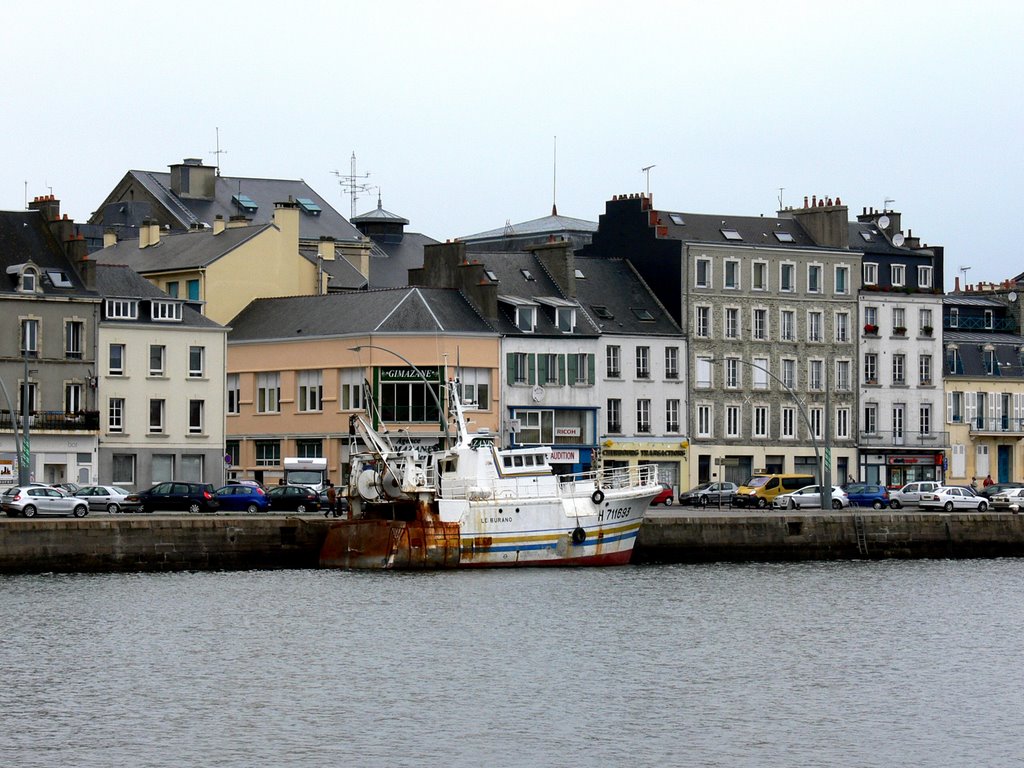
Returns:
(54,421)
(906,437)
(962,323)
(1000,424)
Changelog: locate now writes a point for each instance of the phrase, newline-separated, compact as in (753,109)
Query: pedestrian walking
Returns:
(974,483)
(988,481)
(332,498)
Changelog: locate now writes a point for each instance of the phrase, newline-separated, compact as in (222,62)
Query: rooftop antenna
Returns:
(780,198)
(351,183)
(26,194)
(218,152)
(646,171)
(885,203)
(963,271)
(554,179)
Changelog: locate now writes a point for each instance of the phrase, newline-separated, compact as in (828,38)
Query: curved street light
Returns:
(437,400)
(824,473)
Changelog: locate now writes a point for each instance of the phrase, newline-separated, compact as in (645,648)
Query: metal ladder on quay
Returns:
(862,536)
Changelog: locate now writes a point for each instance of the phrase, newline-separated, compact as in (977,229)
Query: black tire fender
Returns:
(578,534)
(597,497)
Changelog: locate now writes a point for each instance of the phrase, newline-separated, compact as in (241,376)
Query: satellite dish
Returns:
(883,222)
(897,240)
(1012,296)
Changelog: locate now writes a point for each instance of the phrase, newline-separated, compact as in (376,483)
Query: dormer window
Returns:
(166,311)
(245,203)
(527,275)
(121,309)
(565,319)
(526,319)
(28,277)
(308,206)
(28,281)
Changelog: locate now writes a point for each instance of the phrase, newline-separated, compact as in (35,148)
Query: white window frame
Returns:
(121,309)
(819,270)
(736,266)
(157,417)
(234,393)
(196,354)
(111,369)
(705,420)
(268,392)
(898,275)
(115,415)
(761,421)
(613,361)
(309,387)
(787,267)
(843,269)
(671,362)
(162,367)
(870,273)
(702,321)
(841,320)
(762,267)
(672,411)
(705,372)
(733,420)
(924,276)
(708,275)
(759,323)
(196,413)
(731,323)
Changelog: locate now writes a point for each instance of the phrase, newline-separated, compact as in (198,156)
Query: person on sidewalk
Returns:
(988,481)
(332,498)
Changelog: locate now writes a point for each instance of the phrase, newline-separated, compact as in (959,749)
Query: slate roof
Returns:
(616,289)
(342,274)
(545,225)
(970,349)
(390,261)
(264,192)
(25,236)
(123,282)
(178,250)
(752,230)
(508,267)
(426,311)
(959,300)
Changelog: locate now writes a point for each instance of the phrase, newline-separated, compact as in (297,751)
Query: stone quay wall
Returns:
(132,543)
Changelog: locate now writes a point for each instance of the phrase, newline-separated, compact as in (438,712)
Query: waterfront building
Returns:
(299,369)
(48,352)
(984,383)
(160,385)
(766,307)
(191,196)
(900,373)
(641,371)
(213,268)
(549,344)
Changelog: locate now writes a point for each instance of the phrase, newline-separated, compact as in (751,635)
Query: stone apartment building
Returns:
(767,307)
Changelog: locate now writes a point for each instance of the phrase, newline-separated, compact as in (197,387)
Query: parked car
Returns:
(1011,498)
(868,495)
(810,496)
(68,488)
(111,498)
(253,483)
(910,494)
(32,500)
(173,496)
(664,496)
(995,488)
(950,497)
(297,498)
(243,497)
(709,493)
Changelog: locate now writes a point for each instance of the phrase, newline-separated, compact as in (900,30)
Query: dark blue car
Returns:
(243,498)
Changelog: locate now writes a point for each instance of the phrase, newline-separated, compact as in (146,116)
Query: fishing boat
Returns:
(473,504)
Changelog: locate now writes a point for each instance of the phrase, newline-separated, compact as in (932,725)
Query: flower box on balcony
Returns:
(899,331)
(870,329)
(926,330)
(871,382)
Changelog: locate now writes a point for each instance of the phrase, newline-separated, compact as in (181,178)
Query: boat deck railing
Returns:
(615,477)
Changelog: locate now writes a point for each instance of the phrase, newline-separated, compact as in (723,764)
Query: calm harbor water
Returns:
(824,664)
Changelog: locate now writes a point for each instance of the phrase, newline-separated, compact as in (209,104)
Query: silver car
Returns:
(911,493)
(111,498)
(810,496)
(950,497)
(32,500)
(1011,498)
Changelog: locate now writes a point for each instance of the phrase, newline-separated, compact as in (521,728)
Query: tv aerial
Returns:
(352,184)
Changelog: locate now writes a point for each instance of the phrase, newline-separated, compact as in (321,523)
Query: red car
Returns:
(665,496)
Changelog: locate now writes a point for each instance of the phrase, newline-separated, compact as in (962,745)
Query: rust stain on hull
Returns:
(423,544)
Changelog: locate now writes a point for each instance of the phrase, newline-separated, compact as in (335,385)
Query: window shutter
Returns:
(573,369)
(531,377)
(561,370)
(970,405)
(591,366)
(510,368)
(949,407)
(542,369)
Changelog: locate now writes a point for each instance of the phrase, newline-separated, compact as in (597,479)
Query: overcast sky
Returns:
(453,107)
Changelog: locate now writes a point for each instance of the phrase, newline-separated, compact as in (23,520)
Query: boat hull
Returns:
(488,534)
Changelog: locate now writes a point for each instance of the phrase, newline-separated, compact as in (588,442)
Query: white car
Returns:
(32,500)
(810,496)
(911,493)
(1011,498)
(111,498)
(950,497)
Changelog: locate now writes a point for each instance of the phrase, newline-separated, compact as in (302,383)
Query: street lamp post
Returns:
(824,470)
(22,473)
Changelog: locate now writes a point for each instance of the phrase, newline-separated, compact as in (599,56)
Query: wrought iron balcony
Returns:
(998,426)
(54,421)
(1003,324)
(904,438)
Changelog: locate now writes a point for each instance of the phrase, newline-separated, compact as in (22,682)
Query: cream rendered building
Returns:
(160,388)
(226,267)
